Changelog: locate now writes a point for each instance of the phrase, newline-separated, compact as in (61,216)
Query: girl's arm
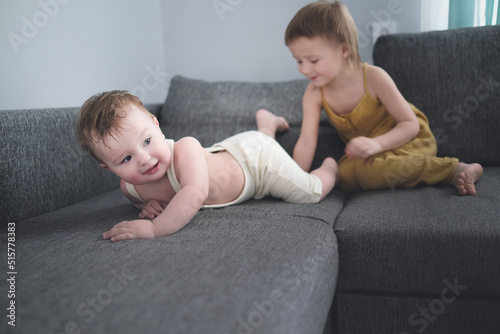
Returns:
(303,152)
(384,89)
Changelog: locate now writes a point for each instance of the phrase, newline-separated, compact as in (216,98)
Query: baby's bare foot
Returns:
(269,123)
(465,178)
(328,174)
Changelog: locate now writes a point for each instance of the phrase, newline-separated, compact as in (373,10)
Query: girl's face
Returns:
(138,152)
(318,59)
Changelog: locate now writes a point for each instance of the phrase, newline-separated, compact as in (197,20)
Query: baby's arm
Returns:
(303,152)
(192,172)
(407,127)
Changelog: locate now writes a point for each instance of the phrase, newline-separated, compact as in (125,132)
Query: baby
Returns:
(171,181)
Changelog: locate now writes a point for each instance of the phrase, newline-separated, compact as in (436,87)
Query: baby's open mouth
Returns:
(152,169)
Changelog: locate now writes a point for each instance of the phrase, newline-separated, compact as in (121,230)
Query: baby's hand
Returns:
(362,148)
(152,210)
(134,229)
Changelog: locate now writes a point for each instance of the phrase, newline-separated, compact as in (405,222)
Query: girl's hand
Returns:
(362,148)
(152,210)
(134,229)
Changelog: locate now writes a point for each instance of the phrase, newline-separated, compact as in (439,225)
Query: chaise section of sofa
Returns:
(426,260)
(264,266)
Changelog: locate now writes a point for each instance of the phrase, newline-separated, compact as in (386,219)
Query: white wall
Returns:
(56,53)
(243,39)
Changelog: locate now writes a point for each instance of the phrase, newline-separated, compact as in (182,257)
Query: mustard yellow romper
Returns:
(411,164)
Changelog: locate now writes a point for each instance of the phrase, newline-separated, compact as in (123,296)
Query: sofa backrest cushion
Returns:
(212,111)
(453,76)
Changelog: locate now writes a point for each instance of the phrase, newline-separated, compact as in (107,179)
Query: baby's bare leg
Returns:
(465,177)
(328,174)
(269,123)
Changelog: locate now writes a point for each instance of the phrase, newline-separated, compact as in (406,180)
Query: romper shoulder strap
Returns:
(131,190)
(172,178)
(364,78)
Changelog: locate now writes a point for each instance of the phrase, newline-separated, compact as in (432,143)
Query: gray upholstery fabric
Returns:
(262,267)
(398,250)
(227,108)
(405,314)
(453,77)
(42,167)
(409,240)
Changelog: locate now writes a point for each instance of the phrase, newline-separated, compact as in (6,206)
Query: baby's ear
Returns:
(156,121)
(104,166)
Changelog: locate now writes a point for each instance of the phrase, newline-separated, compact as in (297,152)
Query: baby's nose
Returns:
(144,158)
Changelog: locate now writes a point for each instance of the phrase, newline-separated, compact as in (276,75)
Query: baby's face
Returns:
(137,152)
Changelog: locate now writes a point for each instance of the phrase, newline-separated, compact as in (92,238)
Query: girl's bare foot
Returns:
(269,123)
(465,178)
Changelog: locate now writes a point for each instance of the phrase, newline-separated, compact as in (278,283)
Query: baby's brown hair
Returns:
(100,115)
(327,19)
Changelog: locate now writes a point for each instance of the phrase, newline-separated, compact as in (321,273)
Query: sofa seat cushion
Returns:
(261,266)
(405,314)
(420,240)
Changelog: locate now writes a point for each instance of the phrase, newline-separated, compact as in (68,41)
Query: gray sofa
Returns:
(421,260)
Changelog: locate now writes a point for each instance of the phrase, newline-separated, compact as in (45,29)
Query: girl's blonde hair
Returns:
(327,19)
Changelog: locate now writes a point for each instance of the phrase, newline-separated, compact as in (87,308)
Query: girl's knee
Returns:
(366,174)
(347,178)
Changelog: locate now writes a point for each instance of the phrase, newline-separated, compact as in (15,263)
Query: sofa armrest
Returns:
(42,167)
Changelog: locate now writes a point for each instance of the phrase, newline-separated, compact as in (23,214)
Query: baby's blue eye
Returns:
(314,61)
(147,141)
(127,158)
